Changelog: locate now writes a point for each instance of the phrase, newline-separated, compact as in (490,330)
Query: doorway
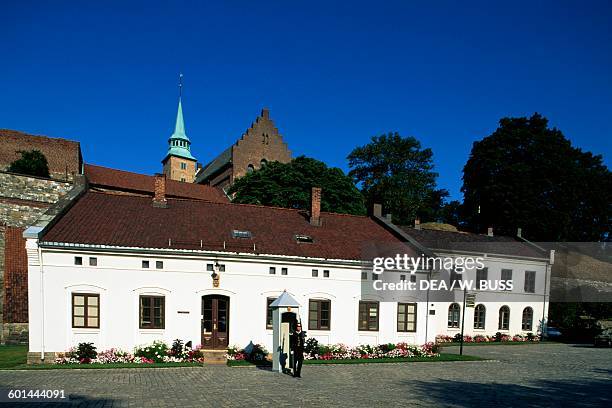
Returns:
(215,321)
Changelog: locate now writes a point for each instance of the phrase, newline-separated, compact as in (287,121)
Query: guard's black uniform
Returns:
(297,345)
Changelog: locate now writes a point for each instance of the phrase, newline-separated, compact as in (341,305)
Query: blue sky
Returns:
(332,73)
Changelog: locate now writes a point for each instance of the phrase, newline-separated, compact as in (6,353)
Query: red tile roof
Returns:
(62,155)
(131,221)
(466,241)
(140,183)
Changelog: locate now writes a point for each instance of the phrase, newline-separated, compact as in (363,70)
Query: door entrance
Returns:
(215,321)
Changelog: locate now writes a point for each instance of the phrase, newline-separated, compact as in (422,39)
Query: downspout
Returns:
(427,306)
(551,261)
(42,304)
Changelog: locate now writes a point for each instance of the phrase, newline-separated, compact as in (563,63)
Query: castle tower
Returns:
(179,164)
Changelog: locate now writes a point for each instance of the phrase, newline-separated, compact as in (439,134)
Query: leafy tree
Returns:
(289,185)
(528,175)
(31,163)
(396,172)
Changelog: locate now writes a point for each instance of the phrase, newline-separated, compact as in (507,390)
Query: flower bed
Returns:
(253,353)
(498,337)
(366,351)
(158,352)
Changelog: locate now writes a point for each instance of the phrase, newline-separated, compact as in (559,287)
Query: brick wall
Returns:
(261,141)
(15,276)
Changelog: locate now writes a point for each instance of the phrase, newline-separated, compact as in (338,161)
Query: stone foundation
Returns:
(15,333)
(34,357)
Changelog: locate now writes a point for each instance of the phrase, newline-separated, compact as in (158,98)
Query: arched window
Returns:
(480,313)
(250,168)
(504,318)
(454,313)
(527,319)
(263,163)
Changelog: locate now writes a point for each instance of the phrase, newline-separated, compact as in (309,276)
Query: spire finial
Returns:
(180,85)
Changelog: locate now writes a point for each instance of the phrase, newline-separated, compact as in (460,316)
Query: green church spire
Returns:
(179,144)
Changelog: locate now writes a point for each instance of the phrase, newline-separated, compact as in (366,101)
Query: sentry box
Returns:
(285,315)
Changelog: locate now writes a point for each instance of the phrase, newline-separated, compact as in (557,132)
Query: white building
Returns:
(121,270)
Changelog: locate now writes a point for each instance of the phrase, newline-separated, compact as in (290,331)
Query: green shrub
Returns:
(156,351)
(311,347)
(85,352)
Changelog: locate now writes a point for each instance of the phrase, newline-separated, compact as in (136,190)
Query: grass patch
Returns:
(442,358)
(13,356)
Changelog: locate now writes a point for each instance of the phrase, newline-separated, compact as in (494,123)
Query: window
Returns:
(455,278)
(272,270)
(413,278)
(263,163)
(145,264)
(375,276)
(159,264)
(78,260)
(325,273)
(504,318)
(241,234)
(506,275)
(183,166)
(480,313)
(86,310)
(530,281)
(454,313)
(284,271)
(315,273)
(364,276)
(93,261)
(269,311)
(319,314)
(250,168)
(527,319)
(183,179)
(210,267)
(406,317)
(481,275)
(152,312)
(368,316)
(402,278)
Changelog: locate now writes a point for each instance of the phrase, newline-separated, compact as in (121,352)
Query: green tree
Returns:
(528,175)
(31,163)
(289,185)
(396,172)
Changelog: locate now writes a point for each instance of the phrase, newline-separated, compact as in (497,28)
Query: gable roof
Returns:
(100,218)
(120,180)
(470,242)
(63,156)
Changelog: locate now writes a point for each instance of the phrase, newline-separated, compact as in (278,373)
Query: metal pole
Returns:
(462,322)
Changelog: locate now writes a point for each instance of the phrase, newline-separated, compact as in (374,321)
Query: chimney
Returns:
(377,210)
(315,206)
(519,232)
(417,224)
(265,113)
(490,231)
(159,200)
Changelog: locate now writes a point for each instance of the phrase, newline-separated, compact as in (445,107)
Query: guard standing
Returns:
(297,346)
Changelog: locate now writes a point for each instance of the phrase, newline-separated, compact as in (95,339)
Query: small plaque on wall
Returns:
(183,312)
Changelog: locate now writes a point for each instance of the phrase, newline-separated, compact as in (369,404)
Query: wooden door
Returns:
(215,321)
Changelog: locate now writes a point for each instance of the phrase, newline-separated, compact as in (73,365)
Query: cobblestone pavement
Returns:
(521,376)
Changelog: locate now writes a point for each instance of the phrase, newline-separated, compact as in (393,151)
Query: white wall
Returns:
(119,280)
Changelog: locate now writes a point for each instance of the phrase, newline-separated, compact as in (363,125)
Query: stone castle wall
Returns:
(23,199)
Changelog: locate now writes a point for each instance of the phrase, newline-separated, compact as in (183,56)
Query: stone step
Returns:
(216,357)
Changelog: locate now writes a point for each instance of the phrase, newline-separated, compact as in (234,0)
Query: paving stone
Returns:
(531,375)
